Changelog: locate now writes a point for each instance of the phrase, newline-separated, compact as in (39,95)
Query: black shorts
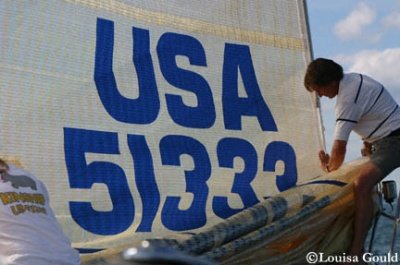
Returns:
(386,154)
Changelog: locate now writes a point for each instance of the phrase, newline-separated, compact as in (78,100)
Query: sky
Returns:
(364,37)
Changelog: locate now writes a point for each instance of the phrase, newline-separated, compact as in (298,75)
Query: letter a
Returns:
(238,58)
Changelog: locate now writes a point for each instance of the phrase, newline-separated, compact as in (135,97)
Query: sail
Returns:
(149,118)
(307,224)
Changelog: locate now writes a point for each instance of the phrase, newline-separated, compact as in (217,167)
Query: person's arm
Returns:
(335,160)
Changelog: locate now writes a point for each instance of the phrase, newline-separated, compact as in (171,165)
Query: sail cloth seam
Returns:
(194,25)
(38,71)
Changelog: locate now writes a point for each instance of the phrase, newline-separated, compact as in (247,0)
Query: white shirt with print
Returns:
(29,231)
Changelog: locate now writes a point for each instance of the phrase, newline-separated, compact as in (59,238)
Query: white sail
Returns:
(146,118)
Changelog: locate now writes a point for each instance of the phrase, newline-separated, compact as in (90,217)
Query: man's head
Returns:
(323,77)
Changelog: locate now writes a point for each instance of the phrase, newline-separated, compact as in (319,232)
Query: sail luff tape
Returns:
(242,223)
(295,253)
(272,229)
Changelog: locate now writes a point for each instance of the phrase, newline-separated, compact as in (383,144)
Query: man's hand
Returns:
(324,159)
(367,149)
(335,160)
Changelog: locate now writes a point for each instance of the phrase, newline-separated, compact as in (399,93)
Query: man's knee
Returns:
(368,177)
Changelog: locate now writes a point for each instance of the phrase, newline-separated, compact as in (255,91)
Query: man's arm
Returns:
(335,160)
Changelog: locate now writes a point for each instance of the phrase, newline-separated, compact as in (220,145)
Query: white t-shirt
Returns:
(29,231)
(364,106)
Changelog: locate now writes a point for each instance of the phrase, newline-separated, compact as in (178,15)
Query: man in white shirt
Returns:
(29,231)
(364,106)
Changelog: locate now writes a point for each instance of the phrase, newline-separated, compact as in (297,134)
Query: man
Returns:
(29,232)
(364,106)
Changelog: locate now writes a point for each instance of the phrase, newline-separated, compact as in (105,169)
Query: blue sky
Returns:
(364,37)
